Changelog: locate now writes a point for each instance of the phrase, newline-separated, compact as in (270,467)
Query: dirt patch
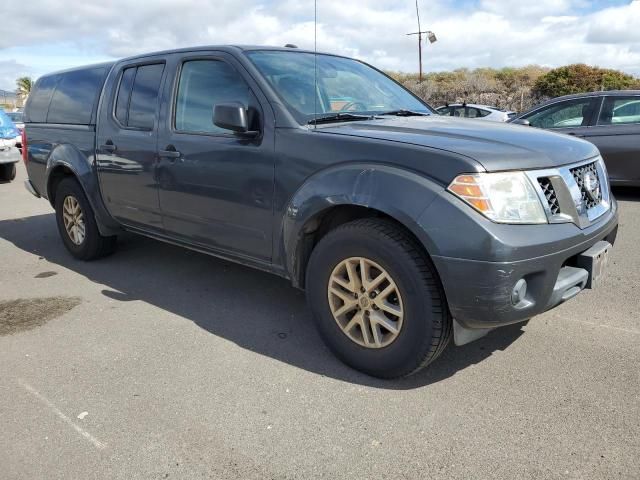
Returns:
(27,313)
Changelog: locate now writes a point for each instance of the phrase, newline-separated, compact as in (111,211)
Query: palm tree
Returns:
(24,85)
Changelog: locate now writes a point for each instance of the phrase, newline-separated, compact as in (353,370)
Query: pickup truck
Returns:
(405,228)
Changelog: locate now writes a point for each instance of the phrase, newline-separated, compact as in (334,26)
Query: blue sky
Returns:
(57,34)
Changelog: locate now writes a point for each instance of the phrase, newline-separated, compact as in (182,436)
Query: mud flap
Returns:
(462,335)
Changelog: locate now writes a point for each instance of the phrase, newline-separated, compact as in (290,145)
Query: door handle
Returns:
(108,147)
(169,154)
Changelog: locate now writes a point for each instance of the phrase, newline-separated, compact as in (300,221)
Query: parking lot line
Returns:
(96,443)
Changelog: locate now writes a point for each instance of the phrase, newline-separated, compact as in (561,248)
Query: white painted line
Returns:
(96,443)
(599,325)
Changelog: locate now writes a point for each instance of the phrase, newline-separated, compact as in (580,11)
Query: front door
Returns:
(215,187)
(127,144)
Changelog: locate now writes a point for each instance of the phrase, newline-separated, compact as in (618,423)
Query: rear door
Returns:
(216,187)
(127,143)
(617,136)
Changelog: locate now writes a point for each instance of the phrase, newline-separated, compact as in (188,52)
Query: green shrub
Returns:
(581,78)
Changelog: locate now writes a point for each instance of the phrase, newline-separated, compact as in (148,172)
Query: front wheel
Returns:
(77,225)
(377,299)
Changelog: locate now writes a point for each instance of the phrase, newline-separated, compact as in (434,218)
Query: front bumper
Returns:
(9,154)
(480,293)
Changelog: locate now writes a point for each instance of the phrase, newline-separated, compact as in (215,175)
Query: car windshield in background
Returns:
(7,128)
(344,86)
(16,117)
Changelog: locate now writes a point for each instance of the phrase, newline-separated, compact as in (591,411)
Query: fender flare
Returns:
(399,193)
(72,159)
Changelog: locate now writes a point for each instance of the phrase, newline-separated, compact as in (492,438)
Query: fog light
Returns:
(519,291)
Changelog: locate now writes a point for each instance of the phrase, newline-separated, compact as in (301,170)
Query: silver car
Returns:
(472,110)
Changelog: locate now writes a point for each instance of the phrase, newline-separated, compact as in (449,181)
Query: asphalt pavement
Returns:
(158,362)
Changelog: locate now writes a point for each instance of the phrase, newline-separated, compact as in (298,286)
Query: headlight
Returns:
(504,197)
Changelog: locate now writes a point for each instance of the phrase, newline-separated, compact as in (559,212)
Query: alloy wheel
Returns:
(73,220)
(365,302)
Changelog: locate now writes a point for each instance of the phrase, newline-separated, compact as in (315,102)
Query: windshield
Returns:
(344,85)
(16,117)
(7,128)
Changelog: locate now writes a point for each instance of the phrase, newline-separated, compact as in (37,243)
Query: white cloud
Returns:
(470,34)
(619,25)
(10,70)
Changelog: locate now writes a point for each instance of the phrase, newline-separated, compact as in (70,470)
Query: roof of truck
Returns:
(82,67)
(227,48)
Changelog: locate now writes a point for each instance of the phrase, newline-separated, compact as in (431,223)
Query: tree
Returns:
(579,78)
(24,85)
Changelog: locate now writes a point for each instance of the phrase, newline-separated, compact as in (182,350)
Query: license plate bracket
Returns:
(595,262)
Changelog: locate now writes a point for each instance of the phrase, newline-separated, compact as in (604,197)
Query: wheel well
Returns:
(55,177)
(318,226)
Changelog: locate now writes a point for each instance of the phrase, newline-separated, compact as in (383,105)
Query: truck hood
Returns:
(496,146)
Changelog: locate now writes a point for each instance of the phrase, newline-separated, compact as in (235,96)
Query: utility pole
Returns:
(430,36)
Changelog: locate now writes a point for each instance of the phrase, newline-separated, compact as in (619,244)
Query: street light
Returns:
(430,36)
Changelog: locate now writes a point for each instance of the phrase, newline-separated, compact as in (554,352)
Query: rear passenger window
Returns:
(137,99)
(473,112)
(38,104)
(75,96)
(620,111)
(203,84)
(124,93)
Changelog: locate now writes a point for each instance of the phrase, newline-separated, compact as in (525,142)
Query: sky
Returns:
(50,35)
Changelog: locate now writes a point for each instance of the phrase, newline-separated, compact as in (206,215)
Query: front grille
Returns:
(550,195)
(589,198)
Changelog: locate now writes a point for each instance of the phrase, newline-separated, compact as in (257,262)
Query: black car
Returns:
(609,120)
(405,228)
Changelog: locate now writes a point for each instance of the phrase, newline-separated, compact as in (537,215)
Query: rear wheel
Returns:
(377,299)
(8,172)
(77,224)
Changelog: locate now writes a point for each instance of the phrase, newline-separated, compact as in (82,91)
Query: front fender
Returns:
(396,192)
(71,158)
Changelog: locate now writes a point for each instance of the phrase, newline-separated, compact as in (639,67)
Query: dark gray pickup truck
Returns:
(404,227)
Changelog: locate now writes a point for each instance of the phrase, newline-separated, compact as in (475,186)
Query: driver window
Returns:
(203,84)
(567,114)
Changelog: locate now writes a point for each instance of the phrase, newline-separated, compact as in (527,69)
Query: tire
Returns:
(93,245)
(8,172)
(422,330)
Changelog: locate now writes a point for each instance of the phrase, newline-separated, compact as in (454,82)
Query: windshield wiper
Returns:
(405,113)
(339,117)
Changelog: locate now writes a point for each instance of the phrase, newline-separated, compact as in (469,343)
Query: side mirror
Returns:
(233,116)
(521,121)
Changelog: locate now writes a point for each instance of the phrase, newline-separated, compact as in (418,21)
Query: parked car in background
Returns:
(472,110)
(609,120)
(405,228)
(18,120)
(9,153)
